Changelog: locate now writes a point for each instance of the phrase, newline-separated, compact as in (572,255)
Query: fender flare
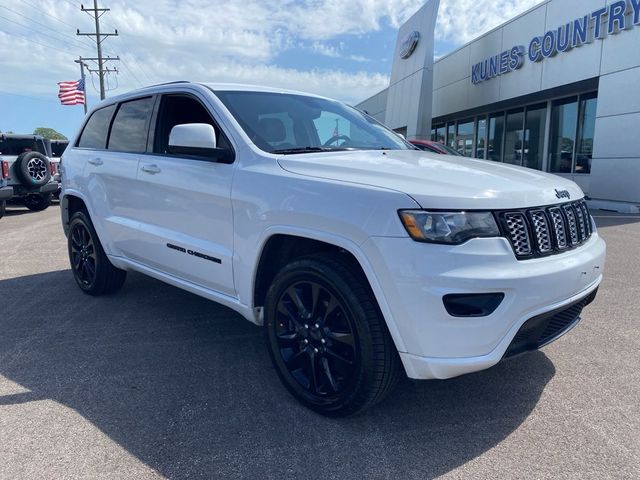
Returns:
(341,242)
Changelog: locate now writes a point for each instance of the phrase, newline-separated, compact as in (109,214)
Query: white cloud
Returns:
(230,40)
(460,21)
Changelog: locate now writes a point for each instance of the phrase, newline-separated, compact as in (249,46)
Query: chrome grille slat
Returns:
(572,224)
(547,230)
(558,228)
(519,233)
(541,230)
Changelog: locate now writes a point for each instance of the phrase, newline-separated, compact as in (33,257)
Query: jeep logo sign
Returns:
(563,194)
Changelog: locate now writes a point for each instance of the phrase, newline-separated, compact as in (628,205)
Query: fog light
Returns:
(472,304)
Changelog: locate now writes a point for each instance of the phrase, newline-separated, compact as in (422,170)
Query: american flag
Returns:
(71,93)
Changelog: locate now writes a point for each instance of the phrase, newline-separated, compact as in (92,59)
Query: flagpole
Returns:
(83,81)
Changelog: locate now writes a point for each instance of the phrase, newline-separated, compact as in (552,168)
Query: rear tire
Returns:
(37,202)
(327,338)
(3,208)
(92,270)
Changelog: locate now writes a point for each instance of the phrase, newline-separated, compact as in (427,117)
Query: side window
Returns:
(95,131)
(180,110)
(130,127)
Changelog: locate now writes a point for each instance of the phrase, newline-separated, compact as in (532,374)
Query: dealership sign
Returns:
(572,35)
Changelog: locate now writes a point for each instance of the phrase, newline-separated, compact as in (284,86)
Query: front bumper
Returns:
(6,193)
(415,277)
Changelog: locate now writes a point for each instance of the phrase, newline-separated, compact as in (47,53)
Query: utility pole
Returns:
(97,13)
(79,61)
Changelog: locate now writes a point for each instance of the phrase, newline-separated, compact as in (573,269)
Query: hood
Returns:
(438,181)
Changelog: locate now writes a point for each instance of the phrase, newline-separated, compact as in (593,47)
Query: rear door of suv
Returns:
(110,147)
(183,204)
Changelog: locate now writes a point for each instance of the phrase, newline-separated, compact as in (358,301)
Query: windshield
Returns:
(17,146)
(287,123)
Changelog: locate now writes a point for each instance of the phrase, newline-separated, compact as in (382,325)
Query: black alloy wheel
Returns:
(327,338)
(83,255)
(316,340)
(92,270)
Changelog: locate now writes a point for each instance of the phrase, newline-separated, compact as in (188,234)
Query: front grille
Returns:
(542,231)
(543,329)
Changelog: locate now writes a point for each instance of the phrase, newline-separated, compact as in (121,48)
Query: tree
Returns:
(49,133)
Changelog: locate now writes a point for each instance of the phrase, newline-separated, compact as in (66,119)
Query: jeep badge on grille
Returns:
(563,194)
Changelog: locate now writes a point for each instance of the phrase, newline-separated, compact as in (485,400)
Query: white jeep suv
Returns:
(361,256)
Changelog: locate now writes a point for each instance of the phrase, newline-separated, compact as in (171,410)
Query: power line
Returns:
(35,7)
(27,27)
(29,39)
(45,26)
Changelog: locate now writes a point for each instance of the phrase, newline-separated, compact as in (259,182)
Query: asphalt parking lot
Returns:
(155,382)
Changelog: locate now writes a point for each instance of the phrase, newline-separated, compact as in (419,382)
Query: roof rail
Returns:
(167,83)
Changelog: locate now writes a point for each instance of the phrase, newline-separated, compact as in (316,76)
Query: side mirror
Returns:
(193,135)
(197,140)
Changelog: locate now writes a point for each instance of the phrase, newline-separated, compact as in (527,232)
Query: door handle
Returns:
(96,161)
(152,169)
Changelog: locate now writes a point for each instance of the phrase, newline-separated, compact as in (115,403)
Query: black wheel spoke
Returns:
(313,373)
(328,374)
(294,362)
(284,309)
(331,353)
(294,294)
(288,339)
(90,269)
(344,338)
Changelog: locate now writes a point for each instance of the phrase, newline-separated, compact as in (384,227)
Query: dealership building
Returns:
(556,89)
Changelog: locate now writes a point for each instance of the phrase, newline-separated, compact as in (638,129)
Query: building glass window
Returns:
(438,133)
(481,137)
(534,132)
(586,129)
(451,135)
(564,121)
(464,138)
(514,136)
(496,133)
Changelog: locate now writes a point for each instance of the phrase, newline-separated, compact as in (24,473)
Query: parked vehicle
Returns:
(55,149)
(435,147)
(360,255)
(6,192)
(30,170)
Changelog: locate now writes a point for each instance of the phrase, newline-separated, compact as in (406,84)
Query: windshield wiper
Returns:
(289,151)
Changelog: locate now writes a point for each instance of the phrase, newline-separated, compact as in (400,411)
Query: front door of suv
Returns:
(184,215)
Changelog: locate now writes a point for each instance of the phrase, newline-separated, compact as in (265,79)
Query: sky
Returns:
(340,49)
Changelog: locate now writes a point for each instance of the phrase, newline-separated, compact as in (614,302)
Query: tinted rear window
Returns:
(58,148)
(131,126)
(95,132)
(16,146)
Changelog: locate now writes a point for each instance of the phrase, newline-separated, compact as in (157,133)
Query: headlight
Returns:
(451,228)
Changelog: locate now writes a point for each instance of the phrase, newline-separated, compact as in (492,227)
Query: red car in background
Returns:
(435,147)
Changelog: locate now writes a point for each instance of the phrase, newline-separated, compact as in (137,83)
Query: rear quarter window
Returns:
(96,130)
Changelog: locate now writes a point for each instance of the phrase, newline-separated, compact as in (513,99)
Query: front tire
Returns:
(3,208)
(92,270)
(37,202)
(327,338)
